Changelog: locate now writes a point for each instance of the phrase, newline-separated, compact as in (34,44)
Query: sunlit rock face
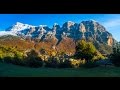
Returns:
(63,37)
(110,41)
(97,32)
(89,30)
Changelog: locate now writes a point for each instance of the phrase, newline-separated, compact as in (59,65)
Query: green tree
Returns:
(85,50)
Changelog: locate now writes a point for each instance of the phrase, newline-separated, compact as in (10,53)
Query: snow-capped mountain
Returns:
(90,30)
(18,27)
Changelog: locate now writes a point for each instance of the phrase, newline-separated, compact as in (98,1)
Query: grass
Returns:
(9,70)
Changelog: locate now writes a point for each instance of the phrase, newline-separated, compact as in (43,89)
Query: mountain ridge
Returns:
(84,29)
(61,36)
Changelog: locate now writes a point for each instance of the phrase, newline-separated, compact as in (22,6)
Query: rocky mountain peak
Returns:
(68,25)
(82,28)
(19,23)
(56,27)
(55,24)
(90,30)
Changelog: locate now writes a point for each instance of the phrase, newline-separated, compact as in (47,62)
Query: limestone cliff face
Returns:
(82,29)
(89,30)
(95,31)
(64,37)
(110,41)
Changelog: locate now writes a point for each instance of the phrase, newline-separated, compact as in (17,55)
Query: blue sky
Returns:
(110,21)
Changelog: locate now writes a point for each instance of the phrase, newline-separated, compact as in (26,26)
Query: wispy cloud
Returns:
(112,23)
(113,26)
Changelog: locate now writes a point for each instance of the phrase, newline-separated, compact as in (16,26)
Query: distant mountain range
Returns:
(69,32)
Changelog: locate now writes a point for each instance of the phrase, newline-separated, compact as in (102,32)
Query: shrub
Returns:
(18,61)
(115,56)
(55,62)
(52,62)
(65,64)
(90,64)
(1,59)
(74,63)
(33,60)
(98,57)
(8,59)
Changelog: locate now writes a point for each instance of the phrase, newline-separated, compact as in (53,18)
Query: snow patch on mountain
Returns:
(19,27)
(2,33)
(87,29)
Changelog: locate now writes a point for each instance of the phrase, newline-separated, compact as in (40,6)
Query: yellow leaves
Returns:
(1,56)
(44,57)
(53,53)
(6,51)
(76,63)
(98,57)
(82,61)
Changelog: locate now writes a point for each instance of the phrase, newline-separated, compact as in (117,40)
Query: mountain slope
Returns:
(16,42)
(86,29)
(61,37)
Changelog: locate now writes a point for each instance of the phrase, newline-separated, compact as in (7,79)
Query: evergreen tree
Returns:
(115,56)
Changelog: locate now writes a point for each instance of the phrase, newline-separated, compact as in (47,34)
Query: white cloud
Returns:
(112,23)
